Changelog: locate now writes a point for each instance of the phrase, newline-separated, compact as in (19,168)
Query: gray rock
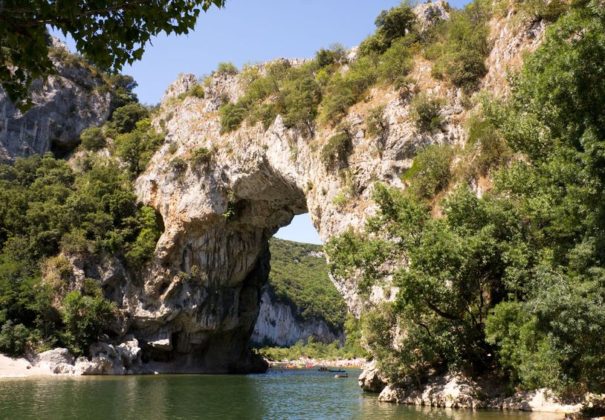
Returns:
(371,380)
(55,357)
(64,105)
(278,325)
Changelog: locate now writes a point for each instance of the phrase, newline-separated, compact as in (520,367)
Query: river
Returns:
(296,394)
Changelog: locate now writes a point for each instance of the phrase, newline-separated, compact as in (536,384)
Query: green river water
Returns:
(292,394)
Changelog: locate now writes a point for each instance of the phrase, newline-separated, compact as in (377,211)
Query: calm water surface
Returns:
(305,394)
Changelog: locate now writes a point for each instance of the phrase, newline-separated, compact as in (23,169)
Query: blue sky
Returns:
(247,31)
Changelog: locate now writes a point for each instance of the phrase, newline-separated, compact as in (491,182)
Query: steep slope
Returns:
(299,300)
(75,98)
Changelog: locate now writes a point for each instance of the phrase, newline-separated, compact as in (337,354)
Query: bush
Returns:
(301,96)
(178,166)
(226,69)
(376,124)
(335,55)
(390,25)
(197,91)
(395,63)
(85,318)
(232,116)
(462,47)
(426,113)
(201,156)
(92,139)
(430,172)
(124,119)
(346,90)
(336,150)
(138,146)
(485,136)
(13,339)
(149,226)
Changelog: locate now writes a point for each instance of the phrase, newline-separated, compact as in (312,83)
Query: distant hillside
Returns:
(299,275)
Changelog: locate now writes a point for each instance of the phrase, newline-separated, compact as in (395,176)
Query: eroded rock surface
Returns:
(63,105)
(278,325)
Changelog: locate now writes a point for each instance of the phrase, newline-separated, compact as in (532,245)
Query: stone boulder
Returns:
(371,380)
(129,353)
(54,357)
(101,365)
(449,391)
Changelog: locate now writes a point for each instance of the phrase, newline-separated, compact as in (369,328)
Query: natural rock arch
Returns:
(201,293)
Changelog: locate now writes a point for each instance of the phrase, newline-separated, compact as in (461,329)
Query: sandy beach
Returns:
(20,368)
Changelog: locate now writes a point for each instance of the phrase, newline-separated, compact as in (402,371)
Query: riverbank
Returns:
(309,362)
(20,368)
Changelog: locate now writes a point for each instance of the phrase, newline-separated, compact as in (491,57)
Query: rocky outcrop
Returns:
(279,325)
(202,293)
(63,105)
(194,307)
(105,359)
(459,391)
(371,380)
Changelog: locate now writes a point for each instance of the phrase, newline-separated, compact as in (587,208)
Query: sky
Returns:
(247,32)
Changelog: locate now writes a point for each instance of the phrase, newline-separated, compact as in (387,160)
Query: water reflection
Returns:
(291,394)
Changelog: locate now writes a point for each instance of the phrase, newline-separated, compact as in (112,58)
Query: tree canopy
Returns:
(108,33)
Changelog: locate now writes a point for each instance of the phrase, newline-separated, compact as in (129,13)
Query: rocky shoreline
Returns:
(307,362)
(459,391)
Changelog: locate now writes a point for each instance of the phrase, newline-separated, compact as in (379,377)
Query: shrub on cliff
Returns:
(137,146)
(430,172)
(92,139)
(232,116)
(335,152)
(124,119)
(227,69)
(390,25)
(426,113)
(462,46)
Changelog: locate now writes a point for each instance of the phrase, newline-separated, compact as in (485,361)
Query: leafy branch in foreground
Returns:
(108,33)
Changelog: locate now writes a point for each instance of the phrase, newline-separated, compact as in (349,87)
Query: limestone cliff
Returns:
(74,98)
(222,196)
(220,212)
(279,325)
(299,301)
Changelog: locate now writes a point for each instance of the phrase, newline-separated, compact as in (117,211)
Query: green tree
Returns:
(109,33)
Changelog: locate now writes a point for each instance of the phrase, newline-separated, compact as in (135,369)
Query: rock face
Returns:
(278,325)
(458,391)
(194,307)
(371,380)
(202,293)
(63,105)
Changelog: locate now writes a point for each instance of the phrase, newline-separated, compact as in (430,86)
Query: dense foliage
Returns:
(459,45)
(47,208)
(108,33)
(512,282)
(87,209)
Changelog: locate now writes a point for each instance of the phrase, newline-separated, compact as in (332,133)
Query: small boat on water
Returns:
(341,375)
(322,369)
(337,370)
